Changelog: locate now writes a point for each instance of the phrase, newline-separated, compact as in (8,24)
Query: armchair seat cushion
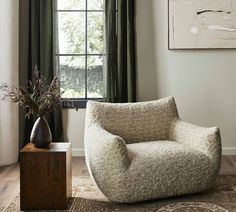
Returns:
(165,168)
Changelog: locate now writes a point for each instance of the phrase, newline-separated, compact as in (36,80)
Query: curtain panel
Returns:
(120,70)
(38,43)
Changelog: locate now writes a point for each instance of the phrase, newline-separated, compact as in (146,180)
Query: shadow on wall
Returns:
(65,123)
(146,54)
(9,64)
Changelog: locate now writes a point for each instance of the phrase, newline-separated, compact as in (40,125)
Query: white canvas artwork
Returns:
(202,24)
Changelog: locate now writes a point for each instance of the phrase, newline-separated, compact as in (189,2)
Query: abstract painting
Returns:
(202,24)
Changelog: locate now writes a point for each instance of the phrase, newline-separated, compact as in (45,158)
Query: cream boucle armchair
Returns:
(143,151)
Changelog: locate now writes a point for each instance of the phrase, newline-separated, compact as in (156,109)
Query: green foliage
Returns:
(95,4)
(72,41)
(71,4)
(73,82)
(72,29)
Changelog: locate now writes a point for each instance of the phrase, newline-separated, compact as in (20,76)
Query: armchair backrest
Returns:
(134,122)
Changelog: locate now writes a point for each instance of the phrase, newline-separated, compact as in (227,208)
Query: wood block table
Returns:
(45,177)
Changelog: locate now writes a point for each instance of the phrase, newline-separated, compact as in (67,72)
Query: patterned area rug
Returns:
(87,198)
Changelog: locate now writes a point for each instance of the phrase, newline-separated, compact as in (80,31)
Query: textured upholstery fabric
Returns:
(135,122)
(143,151)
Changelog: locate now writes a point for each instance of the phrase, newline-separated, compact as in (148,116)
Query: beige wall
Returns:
(73,122)
(202,81)
(9,29)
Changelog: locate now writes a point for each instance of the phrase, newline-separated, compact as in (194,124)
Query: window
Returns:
(81,49)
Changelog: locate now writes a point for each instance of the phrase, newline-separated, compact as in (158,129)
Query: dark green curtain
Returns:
(120,70)
(38,47)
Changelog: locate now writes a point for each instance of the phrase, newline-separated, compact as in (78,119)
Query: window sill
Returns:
(77,103)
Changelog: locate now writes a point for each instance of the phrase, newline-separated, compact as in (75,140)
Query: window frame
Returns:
(69,103)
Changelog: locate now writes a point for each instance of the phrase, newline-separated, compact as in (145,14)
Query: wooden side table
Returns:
(45,177)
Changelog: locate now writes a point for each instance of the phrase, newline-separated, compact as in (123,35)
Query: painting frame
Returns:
(170,47)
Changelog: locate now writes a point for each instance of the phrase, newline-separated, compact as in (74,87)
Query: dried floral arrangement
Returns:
(37,96)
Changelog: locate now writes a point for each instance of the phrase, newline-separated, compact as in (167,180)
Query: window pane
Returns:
(95,76)
(71,32)
(71,4)
(95,4)
(95,32)
(72,75)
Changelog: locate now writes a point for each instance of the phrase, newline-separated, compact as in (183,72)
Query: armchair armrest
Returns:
(206,140)
(105,151)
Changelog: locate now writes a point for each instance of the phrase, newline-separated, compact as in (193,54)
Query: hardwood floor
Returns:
(9,175)
(228,165)
(9,181)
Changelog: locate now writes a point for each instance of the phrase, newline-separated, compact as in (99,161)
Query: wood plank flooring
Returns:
(9,175)
(228,165)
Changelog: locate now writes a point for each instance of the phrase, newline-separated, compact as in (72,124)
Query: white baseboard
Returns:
(7,163)
(225,151)
(77,152)
(229,150)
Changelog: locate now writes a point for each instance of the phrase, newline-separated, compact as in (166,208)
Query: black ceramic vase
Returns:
(41,135)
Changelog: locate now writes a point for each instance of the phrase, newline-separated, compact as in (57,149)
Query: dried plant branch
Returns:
(38,97)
